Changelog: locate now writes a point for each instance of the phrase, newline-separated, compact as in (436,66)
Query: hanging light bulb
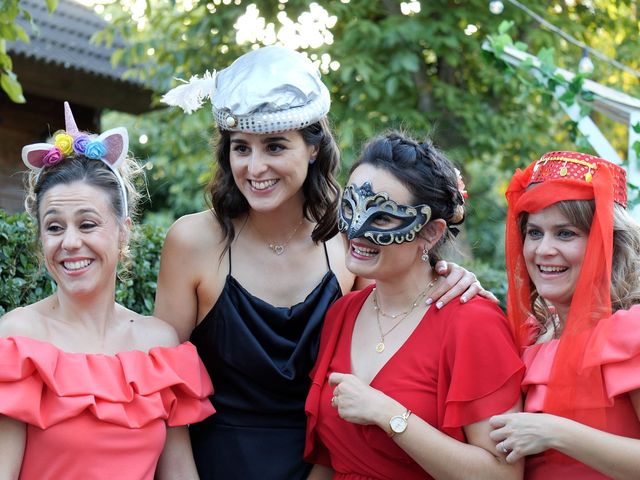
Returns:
(496,7)
(585,65)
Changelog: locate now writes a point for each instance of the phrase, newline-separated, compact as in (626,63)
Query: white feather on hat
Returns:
(193,93)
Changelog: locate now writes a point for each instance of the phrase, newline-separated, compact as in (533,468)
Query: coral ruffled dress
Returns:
(620,364)
(94,416)
(457,367)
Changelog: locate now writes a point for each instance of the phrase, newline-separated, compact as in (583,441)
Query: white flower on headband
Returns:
(192,94)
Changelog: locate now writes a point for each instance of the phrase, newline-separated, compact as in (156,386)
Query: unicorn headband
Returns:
(110,148)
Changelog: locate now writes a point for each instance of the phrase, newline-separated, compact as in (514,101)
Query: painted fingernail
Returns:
(428,301)
(439,305)
(463,299)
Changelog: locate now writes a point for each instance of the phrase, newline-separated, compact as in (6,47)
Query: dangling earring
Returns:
(425,255)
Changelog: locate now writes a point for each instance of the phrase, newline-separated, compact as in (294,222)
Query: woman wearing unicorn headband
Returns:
(88,388)
(250,280)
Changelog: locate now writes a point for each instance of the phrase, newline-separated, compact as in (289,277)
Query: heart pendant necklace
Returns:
(278,248)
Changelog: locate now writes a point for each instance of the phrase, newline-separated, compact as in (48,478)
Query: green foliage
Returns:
(23,280)
(423,72)
(10,11)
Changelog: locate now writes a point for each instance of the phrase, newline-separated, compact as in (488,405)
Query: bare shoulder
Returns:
(336,248)
(150,331)
(24,321)
(16,322)
(194,232)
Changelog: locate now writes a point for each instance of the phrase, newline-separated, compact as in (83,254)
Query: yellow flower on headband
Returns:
(64,142)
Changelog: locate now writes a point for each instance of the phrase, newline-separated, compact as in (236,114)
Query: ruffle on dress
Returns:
(480,369)
(42,385)
(614,345)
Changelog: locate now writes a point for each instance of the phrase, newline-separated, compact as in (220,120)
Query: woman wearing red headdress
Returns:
(573,257)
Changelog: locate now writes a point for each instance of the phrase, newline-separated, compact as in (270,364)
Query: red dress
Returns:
(94,416)
(620,364)
(457,367)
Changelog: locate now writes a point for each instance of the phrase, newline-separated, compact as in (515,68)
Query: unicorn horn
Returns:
(70,124)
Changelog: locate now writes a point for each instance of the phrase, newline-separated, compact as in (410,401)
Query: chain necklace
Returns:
(278,248)
(402,315)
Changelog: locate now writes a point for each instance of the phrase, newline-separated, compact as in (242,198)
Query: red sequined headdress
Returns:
(574,391)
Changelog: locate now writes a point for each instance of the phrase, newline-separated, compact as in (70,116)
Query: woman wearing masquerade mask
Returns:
(89,388)
(400,389)
(573,257)
(250,280)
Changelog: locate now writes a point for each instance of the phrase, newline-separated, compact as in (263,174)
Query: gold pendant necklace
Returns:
(380,345)
(278,248)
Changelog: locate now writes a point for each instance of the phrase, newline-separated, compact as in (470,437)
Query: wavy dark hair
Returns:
(321,189)
(426,172)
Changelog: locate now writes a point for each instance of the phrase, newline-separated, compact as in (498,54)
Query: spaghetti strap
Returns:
(229,260)
(326,255)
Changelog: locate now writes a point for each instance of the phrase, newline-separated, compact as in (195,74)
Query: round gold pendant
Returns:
(380,347)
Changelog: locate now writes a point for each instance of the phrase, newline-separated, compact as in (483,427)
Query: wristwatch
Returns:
(398,423)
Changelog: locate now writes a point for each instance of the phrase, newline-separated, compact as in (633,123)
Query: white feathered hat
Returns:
(271,89)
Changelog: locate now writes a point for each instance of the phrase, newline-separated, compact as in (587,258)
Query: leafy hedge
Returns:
(23,280)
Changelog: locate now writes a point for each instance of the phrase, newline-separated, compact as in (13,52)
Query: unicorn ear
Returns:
(33,155)
(116,142)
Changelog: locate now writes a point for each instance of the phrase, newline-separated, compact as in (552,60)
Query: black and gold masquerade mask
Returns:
(364,213)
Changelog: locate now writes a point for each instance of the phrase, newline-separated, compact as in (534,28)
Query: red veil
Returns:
(574,391)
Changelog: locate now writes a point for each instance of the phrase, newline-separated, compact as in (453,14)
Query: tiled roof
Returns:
(63,39)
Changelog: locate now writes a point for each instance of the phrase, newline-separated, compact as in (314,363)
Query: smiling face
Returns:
(367,259)
(553,251)
(269,169)
(80,238)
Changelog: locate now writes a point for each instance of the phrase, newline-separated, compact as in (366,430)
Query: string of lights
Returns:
(585,66)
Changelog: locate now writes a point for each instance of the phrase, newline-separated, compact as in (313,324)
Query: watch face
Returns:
(398,424)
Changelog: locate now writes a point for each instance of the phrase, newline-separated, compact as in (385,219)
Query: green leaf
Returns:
(587,96)
(5,62)
(521,46)
(11,86)
(20,33)
(51,5)
(568,98)
(636,127)
(505,26)
(391,85)
(116,57)
(546,57)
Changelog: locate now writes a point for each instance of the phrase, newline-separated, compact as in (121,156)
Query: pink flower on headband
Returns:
(95,150)
(461,185)
(80,144)
(53,156)
(64,142)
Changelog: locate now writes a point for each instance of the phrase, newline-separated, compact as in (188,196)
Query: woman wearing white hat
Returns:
(250,280)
